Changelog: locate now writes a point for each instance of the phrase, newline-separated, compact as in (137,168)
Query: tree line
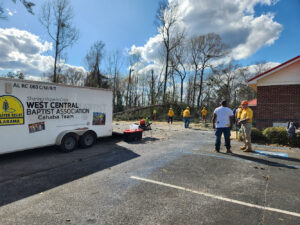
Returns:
(188,73)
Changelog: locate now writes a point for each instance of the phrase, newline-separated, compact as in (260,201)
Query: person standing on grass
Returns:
(245,120)
(186,117)
(222,122)
(170,115)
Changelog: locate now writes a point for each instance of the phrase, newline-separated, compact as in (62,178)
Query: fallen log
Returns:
(137,109)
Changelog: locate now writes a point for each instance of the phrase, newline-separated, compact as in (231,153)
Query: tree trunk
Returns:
(181,91)
(114,91)
(54,71)
(99,77)
(166,76)
(152,87)
(128,88)
(194,88)
(56,52)
(174,87)
(200,86)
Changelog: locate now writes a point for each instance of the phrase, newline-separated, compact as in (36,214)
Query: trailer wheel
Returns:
(68,143)
(88,139)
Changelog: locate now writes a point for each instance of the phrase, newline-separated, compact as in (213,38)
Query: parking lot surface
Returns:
(163,179)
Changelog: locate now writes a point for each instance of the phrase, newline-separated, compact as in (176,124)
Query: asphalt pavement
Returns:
(178,180)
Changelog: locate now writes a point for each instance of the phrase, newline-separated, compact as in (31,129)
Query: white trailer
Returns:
(36,114)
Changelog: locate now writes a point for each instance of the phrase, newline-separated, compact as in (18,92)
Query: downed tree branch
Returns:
(138,108)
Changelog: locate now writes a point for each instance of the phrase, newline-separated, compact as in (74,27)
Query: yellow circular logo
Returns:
(11,111)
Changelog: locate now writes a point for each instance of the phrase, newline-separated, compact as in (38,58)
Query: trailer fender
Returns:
(64,133)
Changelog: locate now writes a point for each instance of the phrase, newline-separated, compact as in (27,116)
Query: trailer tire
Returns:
(68,143)
(88,139)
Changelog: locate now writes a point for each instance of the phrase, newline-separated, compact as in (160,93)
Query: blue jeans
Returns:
(186,121)
(170,119)
(218,133)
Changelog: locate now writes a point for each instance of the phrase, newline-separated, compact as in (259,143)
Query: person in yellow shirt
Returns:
(154,114)
(170,115)
(237,116)
(186,117)
(245,119)
(238,112)
(204,114)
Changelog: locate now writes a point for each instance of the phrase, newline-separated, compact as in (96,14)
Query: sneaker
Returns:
(242,147)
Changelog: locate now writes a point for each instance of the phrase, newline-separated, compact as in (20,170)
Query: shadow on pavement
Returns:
(144,140)
(263,161)
(56,172)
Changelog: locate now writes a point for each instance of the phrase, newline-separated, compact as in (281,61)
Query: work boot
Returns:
(242,147)
(228,150)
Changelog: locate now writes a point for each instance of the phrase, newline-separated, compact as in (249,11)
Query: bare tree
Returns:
(2,16)
(152,87)
(189,90)
(194,61)
(74,76)
(174,84)
(143,89)
(179,61)
(227,79)
(17,75)
(28,5)
(133,60)
(129,88)
(260,67)
(93,60)
(166,18)
(244,91)
(204,49)
(56,16)
(114,64)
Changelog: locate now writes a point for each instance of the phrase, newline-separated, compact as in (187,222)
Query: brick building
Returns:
(278,94)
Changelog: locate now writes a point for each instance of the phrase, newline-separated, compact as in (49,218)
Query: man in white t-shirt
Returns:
(222,123)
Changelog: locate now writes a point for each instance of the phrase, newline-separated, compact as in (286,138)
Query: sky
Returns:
(257,30)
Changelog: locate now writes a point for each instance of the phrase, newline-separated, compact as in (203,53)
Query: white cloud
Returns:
(35,78)
(10,13)
(234,20)
(260,68)
(25,52)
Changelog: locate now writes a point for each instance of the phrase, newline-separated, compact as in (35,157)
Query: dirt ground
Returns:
(160,130)
(163,131)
